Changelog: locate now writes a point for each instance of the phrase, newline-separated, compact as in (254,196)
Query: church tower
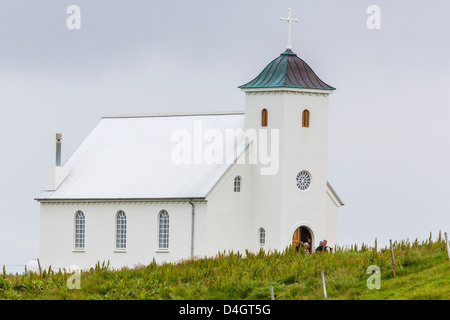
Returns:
(294,203)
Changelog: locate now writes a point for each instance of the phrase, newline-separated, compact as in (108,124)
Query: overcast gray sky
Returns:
(389,155)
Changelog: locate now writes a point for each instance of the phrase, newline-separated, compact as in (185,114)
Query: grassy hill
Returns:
(422,272)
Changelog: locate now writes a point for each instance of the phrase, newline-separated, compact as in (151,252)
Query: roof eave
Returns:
(335,194)
(175,199)
(286,88)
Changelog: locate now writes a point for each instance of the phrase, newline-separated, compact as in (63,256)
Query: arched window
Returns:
(121,230)
(264,118)
(79,230)
(262,236)
(163,230)
(305,118)
(237,184)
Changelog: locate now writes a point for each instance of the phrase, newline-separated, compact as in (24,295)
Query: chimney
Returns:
(54,176)
(58,149)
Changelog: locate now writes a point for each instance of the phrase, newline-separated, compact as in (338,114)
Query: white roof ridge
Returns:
(187,114)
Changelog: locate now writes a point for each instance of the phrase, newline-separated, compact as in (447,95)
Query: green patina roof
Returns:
(288,71)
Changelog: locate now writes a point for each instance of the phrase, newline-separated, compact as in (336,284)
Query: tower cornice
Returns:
(316,92)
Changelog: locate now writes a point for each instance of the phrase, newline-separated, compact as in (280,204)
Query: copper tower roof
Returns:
(287,71)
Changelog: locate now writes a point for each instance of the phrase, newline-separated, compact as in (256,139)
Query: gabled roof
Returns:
(129,157)
(287,71)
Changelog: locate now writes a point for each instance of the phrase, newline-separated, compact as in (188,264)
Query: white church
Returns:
(169,187)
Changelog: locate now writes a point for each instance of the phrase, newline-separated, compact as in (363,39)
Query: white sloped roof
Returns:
(129,157)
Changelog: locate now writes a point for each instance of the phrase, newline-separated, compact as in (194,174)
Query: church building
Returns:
(169,187)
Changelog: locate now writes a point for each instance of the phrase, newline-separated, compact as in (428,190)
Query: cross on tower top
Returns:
(289,20)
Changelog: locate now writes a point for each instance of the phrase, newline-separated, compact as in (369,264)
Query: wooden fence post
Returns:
(39,265)
(446,243)
(272,296)
(324,286)
(392,258)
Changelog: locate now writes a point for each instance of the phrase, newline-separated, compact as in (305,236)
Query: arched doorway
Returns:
(301,236)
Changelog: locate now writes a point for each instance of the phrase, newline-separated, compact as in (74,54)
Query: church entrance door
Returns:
(302,235)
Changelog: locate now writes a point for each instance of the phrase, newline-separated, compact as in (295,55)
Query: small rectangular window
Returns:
(237,184)
(262,237)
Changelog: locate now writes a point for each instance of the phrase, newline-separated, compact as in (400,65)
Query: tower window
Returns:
(264,118)
(305,118)
(237,184)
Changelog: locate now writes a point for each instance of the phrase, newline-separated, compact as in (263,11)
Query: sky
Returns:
(389,155)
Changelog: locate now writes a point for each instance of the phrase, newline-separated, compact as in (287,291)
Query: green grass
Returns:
(422,272)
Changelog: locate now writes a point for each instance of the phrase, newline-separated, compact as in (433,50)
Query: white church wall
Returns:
(200,230)
(266,209)
(57,247)
(228,213)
